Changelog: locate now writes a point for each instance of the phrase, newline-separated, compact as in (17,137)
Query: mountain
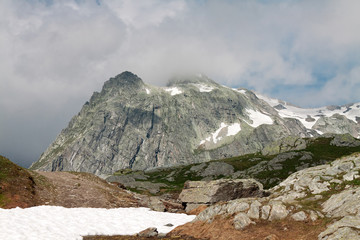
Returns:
(130,124)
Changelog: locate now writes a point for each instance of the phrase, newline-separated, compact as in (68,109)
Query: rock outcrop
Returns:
(328,192)
(196,193)
(130,124)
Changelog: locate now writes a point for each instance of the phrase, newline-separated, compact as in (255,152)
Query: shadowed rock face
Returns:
(130,124)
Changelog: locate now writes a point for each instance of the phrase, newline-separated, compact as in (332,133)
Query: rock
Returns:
(237,206)
(342,204)
(345,140)
(346,228)
(201,192)
(271,237)
(149,232)
(265,212)
(299,216)
(289,143)
(313,216)
(217,169)
(254,211)
(156,204)
(241,220)
(209,213)
(198,167)
(278,211)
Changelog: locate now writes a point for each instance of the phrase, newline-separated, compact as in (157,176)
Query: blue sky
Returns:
(54,54)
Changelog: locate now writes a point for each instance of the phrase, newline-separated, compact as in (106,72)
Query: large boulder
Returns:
(197,193)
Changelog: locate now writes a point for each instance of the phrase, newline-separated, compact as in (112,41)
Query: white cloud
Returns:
(53,56)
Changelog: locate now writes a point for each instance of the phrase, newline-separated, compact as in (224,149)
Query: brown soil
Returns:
(139,238)
(23,188)
(223,229)
(82,190)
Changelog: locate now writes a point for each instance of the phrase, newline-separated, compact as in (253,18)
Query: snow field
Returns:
(52,222)
(351,112)
(173,91)
(258,118)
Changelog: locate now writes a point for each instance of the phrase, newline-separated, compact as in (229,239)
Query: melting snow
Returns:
(173,91)
(50,222)
(147,91)
(258,118)
(302,114)
(220,133)
(204,88)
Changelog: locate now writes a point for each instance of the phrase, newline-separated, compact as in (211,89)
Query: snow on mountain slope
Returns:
(309,116)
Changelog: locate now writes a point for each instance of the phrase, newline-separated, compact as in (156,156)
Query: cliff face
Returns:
(130,124)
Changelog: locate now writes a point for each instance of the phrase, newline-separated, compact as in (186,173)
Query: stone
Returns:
(254,211)
(265,212)
(342,204)
(336,231)
(313,216)
(241,220)
(278,211)
(156,204)
(217,169)
(236,206)
(201,192)
(299,216)
(271,237)
(149,232)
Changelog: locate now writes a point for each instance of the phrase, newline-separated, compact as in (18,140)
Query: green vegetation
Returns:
(269,170)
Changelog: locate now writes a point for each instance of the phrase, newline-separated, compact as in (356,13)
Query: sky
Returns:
(55,54)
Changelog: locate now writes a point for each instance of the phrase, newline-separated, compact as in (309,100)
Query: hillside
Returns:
(131,124)
(22,188)
(270,170)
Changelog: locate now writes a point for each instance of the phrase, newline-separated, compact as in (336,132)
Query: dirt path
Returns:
(80,190)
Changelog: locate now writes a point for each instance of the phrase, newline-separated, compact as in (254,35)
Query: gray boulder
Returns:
(202,192)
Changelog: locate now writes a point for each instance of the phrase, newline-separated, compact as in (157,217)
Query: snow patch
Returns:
(204,88)
(224,131)
(258,118)
(147,91)
(173,91)
(52,222)
(242,91)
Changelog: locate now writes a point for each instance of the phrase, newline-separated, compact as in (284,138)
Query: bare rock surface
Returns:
(202,192)
(310,195)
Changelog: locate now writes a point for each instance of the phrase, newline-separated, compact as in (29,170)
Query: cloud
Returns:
(56,53)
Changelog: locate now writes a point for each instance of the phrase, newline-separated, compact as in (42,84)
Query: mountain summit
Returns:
(130,124)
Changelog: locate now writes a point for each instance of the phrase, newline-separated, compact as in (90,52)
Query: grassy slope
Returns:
(17,186)
(320,148)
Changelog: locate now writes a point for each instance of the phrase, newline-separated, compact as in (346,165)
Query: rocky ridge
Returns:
(327,195)
(130,124)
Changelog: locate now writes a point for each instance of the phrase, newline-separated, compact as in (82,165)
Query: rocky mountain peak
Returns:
(183,80)
(130,124)
(123,80)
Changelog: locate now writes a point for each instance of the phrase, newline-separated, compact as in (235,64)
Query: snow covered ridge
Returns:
(52,222)
(309,116)
(224,131)
(173,90)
